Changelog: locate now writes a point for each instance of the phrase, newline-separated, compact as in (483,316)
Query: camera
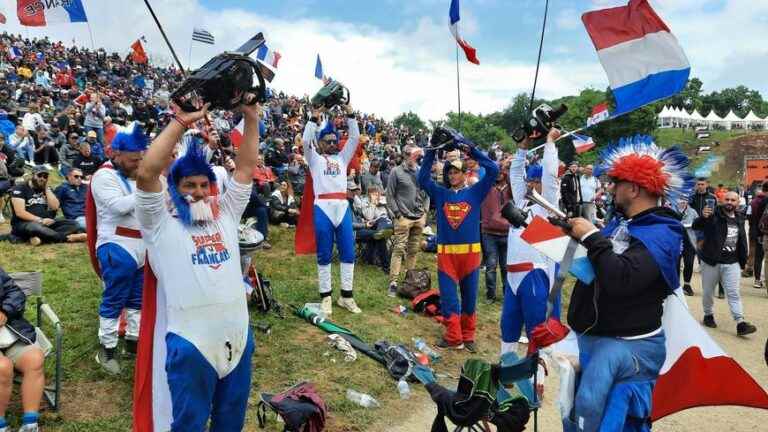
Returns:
(516,216)
(225,79)
(448,139)
(543,118)
(331,95)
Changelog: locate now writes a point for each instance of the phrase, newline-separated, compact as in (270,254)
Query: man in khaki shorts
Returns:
(19,351)
(409,205)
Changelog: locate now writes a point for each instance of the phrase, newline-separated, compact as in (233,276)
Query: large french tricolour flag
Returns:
(268,56)
(642,58)
(36,13)
(453,14)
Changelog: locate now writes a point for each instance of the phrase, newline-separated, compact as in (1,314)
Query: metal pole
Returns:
(189,65)
(538,60)
(458,84)
(160,27)
(90,32)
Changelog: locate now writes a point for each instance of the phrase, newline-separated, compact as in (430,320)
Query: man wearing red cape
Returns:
(195,347)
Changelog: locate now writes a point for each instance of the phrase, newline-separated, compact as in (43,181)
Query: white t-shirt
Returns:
(199,281)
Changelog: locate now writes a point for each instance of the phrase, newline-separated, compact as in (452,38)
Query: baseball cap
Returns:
(92,134)
(458,164)
(37,169)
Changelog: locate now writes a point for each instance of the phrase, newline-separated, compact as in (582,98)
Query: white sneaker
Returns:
(29,428)
(2,220)
(326,305)
(349,304)
(523,339)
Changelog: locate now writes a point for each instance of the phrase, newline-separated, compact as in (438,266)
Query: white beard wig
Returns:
(193,163)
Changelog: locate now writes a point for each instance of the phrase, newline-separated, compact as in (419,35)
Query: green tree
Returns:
(410,120)
(479,129)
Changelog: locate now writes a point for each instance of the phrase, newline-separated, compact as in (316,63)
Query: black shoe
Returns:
(490,300)
(744,328)
(709,321)
(444,344)
(688,290)
(392,291)
(471,347)
(720,295)
(131,347)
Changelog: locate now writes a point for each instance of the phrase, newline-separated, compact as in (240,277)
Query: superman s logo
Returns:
(455,213)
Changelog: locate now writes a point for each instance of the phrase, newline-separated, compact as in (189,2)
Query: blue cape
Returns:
(662,235)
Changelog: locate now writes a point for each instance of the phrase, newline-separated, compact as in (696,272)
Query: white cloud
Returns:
(412,68)
(568,19)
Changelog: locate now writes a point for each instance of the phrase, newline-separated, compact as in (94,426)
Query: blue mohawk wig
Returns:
(193,163)
(130,139)
(328,128)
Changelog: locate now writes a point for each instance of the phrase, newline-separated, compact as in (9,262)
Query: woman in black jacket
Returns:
(19,351)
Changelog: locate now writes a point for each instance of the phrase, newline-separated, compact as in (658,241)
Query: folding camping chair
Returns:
(31,283)
(517,371)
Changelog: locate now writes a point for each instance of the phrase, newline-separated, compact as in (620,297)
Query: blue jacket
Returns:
(72,200)
(458,211)
(13,302)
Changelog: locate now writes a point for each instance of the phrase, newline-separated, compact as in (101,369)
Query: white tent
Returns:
(696,118)
(712,119)
(665,117)
(732,120)
(753,120)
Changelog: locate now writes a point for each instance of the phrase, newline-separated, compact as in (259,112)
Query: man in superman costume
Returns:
(458,239)
(530,274)
(195,346)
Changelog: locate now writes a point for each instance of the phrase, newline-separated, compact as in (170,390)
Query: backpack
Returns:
(398,360)
(262,297)
(427,303)
(762,225)
(301,408)
(415,283)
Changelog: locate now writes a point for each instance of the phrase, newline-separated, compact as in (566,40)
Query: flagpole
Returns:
(90,32)
(162,32)
(189,65)
(458,84)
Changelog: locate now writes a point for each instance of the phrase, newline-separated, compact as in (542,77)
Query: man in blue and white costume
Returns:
(530,274)
(119,250)
(195,348)
(332,216)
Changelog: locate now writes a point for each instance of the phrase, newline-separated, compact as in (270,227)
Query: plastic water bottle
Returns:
(403,389)
(362,399)
(422,346)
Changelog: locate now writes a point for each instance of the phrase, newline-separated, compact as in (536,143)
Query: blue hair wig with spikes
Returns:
(130,139)
(328,129)
(193,163)
(534,172)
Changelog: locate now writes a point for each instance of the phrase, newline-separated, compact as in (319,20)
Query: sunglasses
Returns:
(42,175)
(331,142)
(77,176)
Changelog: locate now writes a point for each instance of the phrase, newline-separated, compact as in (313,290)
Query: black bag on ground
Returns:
(301,408)
(416,282)
(262,297)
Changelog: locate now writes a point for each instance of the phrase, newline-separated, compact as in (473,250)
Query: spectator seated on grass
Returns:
(283,209)
(87,162)
(20,352)
(23,144)
(372,226)
(34,208)
(68,152)
(45,149)
(71,195)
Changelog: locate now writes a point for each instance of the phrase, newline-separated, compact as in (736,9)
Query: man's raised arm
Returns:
(159,154)
(248,154)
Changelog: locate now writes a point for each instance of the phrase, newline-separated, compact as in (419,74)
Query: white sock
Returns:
(324,278)
(347,276)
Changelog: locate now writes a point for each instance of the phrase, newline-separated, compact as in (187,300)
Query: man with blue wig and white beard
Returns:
(195,347)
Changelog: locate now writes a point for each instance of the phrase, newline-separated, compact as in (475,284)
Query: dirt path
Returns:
(747,351)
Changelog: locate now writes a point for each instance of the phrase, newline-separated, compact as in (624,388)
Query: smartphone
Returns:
(711,203)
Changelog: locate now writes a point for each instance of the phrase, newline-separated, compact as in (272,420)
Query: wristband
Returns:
(181,122)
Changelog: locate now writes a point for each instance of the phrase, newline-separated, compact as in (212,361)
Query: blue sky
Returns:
(398,55)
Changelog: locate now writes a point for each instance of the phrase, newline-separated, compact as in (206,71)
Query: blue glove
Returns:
(424,374)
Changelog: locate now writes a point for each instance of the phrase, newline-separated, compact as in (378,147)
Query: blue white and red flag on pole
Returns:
(470,52)
(36,13)
(267,56)
(582,143)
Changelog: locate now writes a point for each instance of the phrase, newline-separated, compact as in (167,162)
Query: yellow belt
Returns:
(458,248)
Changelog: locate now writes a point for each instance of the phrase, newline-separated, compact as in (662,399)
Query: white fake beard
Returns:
(201,211)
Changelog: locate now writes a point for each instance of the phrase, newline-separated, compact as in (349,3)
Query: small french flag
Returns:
(267,56)
(14,52)
(599,113)
(582,143)
(643,60)
(470,52)
(36,13)
(236,134)
(553,242)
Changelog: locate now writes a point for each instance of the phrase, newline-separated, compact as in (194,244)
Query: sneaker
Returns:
(687,289)
(107,358)
(720,295)
(265,245)
(758,284)
(326,305)
(349,304)
(744,328)
(47,166)
(283,224)
(470,346)
(35,241)
(523,339)
(444,344)
(77,238)
(709,321)
(392,291)
(32,427)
